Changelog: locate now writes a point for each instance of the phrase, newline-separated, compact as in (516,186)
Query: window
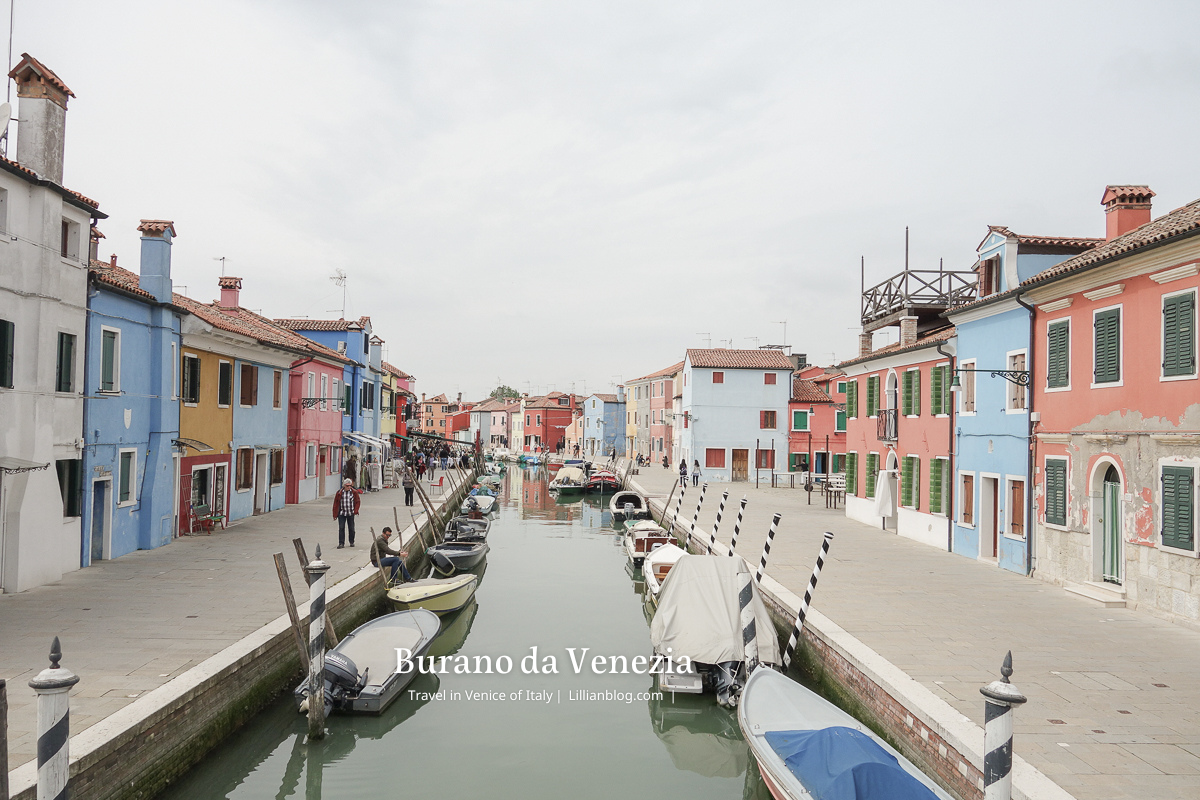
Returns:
(310,460)
(65,373)
(851,473)
(967,388)
(1106,358)
(912,393)
(872,473)
(910,478)
(768,378)
(224,384)
(873,396)
(714,457)
(126,474)
(70,239)
(852,399)
(249,385)
(718,377)
(799,420)
(539,419)
(967,501)
(191,379)
(840,422)
(687,416)
(1016,509)
(766,459)
(1056,491)
(325,391)
(1058,354)
(841,387)
(174,371)
(1179,334)
(335,460)
(1179,508)
(277,390)
(110,359)
(245,469)
(276,467)
(347,398)
(937,479)
(939,390)
(367,345)
(312,385)
(1016,392)
(766,419)
(70,479)
(989,277)
(7,336)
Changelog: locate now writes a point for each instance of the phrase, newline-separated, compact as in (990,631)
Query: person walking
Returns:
(695,473)
(409,484)
(346,504)
(682,473)
(350,469)
(666,462)
(383,555)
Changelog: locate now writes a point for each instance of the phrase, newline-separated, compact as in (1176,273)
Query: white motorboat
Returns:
(643,538)
(656,566)
(629,505)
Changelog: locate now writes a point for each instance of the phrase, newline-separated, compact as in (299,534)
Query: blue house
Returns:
(604,424)
(131,405)
(992,499)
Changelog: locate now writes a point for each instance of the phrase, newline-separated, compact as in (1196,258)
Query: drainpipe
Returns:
(1029,551)
(950,452)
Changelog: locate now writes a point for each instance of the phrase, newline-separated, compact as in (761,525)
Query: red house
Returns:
(546,420)
(315,398)
(817,421)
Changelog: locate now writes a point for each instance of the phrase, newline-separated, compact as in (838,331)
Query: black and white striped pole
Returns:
(749,631)
(737,525)
(678,505)
(712,537)
(808,593)
(762,562)
(53,686)
(1000,698)
(316,570)
(696,516)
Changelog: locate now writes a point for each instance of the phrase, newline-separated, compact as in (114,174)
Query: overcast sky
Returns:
(567,194)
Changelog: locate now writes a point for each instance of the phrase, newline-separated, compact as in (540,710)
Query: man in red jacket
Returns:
(345,507)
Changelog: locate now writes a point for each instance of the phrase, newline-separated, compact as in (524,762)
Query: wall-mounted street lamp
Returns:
(1017,376)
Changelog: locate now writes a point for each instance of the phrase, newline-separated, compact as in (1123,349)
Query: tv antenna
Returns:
(753,339)
(222,260)
(707,340)
(339,279)
(783,322)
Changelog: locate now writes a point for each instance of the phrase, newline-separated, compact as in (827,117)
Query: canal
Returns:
(555,579)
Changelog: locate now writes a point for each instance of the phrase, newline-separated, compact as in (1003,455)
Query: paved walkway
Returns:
(1114,695)
(130,625)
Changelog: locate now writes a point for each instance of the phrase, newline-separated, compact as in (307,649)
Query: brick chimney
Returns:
(230,289)
(864,344)
(155,267)
(908,331)
(41,119)
(1125,208)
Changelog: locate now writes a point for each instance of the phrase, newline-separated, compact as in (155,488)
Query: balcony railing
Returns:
(887,425)
(918,287)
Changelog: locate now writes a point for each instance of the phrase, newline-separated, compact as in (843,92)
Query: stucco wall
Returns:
(726,416)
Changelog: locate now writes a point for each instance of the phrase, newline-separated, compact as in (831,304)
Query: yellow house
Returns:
(205,421)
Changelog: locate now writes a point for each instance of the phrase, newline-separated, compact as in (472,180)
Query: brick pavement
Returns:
(1114,695)
(130,625)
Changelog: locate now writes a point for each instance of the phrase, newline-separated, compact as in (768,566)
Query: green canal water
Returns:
(556,578)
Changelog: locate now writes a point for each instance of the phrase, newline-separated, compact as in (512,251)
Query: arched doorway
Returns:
(891,476)
(1109,523)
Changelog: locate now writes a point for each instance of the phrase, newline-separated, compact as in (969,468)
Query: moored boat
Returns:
(361,675)
(451,557)
(439,595)
(656,566)
(807,748)
(465,529)
(569,480)
(642,538)
(484,504)
(638,507)
(602,481)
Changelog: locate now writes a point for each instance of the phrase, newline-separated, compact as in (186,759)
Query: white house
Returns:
(734,411)
(44,252)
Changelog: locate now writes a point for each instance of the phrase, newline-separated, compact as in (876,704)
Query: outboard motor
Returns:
(342,681)
(628,510)
(726,682)
(442,564)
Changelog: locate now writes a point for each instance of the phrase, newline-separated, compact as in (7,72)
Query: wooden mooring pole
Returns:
(289,600)
(331,638)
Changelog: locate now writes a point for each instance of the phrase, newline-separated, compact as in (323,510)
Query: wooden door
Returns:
(322,469)
(741,463)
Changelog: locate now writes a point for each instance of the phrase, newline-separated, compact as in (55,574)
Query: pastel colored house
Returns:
(131,411)
(397,395)
(735,405)
(1116,389)
(314,424)
(604,424)
(662,412)
(991,444)
(433,415)
(546,421)
(816,426)
(44,253)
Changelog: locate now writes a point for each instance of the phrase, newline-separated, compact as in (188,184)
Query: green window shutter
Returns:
(1058,354)
(108,360)
(6,353)
(799,420)
(1056,492)
(840,425)
(908,393)
(873,396)
(936,468)
(852,398)
(1179,335)
(1178,507)
(936,387)
(348,400)
(1108,346)
(66,360)
(916,392)
(906,481)
(869,478)
(851,473)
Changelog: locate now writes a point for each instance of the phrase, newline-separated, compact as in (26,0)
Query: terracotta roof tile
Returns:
(323,324)
(1080,242)
(671,370)
(12,166)
(806,391)
(157,226)
(928,340)
(255,326)
(607,398)
(1180,222)
(31,64)
(441,398)
(1138,193)
(119,277)
(739,359)
(399,373)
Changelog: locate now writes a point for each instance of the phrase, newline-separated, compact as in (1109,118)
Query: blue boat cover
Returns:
(844,764)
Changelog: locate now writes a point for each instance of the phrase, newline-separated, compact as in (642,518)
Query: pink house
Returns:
(315,395)
(817,421)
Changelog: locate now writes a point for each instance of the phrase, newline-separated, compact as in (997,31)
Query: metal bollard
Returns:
(712,538)
(316,570)
(737,525)
(1000,697)
(696,516)
(53,685)
(762,563)
(808,593)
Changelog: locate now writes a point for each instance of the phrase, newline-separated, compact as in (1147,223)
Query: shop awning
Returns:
(12,466)
(364,439)
(195,444)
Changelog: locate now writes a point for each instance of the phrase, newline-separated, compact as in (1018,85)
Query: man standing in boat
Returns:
(345,506)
